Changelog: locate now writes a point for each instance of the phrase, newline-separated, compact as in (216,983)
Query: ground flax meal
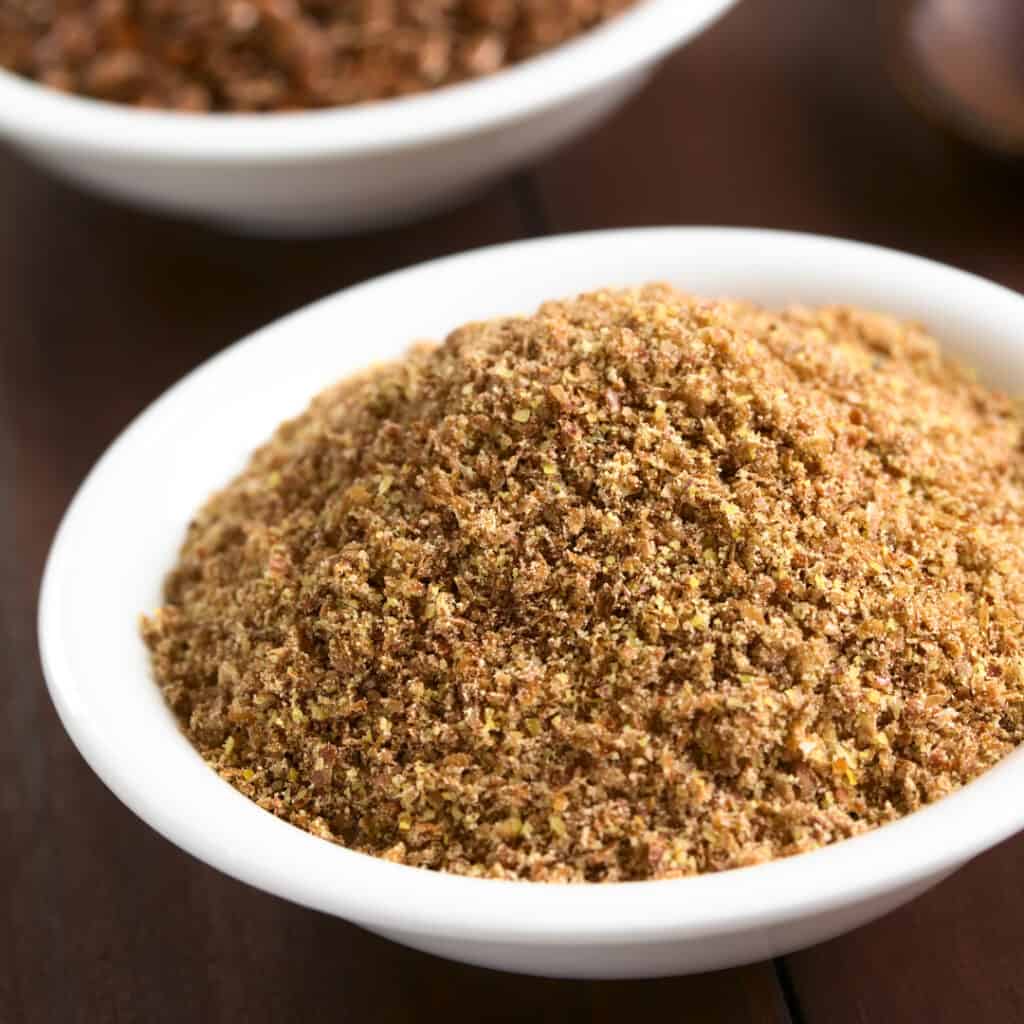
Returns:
(638,587)
(251,55)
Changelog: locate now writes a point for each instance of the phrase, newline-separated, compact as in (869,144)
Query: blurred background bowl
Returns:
(347,169)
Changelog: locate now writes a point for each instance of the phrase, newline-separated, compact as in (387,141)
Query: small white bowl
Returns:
(315,172)
(122,531)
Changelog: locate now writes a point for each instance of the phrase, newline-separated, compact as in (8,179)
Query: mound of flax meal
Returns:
(637,587)
(253,55)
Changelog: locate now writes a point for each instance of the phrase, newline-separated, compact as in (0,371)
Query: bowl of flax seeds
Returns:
(305,117)
(668,620)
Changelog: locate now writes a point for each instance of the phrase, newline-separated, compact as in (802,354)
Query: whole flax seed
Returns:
(638,587)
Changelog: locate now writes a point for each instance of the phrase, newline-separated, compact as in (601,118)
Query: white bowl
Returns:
(347,168)
(122,531)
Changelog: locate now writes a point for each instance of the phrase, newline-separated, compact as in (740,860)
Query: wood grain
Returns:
(955,955)
(783,115)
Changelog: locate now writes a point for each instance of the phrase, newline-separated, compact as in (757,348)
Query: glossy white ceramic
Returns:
(346,169)
(122,530)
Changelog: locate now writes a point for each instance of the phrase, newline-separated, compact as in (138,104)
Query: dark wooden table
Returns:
(783,116)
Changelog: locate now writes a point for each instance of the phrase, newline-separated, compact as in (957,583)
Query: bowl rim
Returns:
(388,896)
(636,38)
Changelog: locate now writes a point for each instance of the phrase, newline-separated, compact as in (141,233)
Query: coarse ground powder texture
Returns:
(638,587)
(261,55)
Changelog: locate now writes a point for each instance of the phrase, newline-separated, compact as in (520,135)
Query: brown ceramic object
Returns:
(962,63)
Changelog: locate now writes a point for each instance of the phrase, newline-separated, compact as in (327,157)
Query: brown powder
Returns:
(253,55)
(638,587)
